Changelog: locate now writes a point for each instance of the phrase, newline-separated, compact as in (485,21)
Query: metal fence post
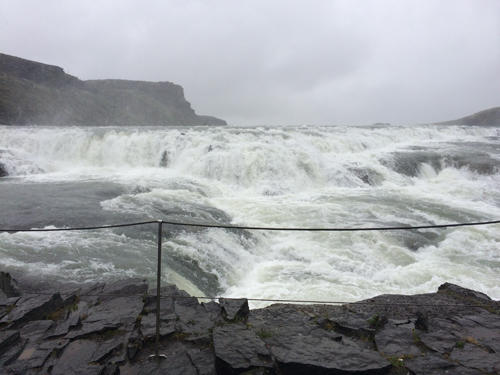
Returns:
(158,286)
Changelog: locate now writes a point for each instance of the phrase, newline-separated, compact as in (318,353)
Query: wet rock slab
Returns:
(238,348)
(111,329)
(32,307)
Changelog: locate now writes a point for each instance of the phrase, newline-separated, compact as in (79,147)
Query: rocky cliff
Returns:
(488,117)
(41,94)
(110,329)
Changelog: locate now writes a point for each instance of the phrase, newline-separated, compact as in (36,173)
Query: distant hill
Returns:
(41,94)
(488,117)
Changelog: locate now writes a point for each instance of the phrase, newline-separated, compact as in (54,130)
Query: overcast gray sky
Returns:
(278,62)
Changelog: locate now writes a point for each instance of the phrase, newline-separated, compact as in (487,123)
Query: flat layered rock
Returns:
(111,329)
(323,355)
(431,364)
(126,288)
(177,363)
(7,339)
(107,348)
(148,326)
(33,307)
(76,359)
(474,356)
(36,329)
(239,348)
(397,341)
(31,357)
(12,352)
(193,321)
(93,328)
(74,319)
(234,309)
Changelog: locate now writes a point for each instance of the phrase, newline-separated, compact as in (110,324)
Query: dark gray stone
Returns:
(121,310)
(166,292)
(367,175)
(386,334)
(90,293)
(148,326)
(76,357)
(430,364)
(33,307)
(482,327)
(92,328)
(307,354)
(359,329)
(481,318)
(237,349)
(458,291)
(7,284)
(56,344)
(422,322)
(285,316)
(61,329)
(132,350)
(475,357)
(109,315)
(124,288)
(37,358)
(3,170)
(234,309)
(397,341)
(134,345)
(35,355)
(213,310)
(203,360)
(4,310)
(166,305)
(176,363)
(72,321)
(7,339)
(31,357)
(440,341)
(110,369)
(258,371)
(193,321)
(163,161)
(106,348)
(12,352)
(13,300)
(36,329)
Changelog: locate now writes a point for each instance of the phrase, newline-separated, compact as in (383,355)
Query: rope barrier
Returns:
(332,229)
(323,302)
(80,228)
(228,226)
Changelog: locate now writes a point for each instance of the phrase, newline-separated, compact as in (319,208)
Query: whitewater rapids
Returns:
(338,176)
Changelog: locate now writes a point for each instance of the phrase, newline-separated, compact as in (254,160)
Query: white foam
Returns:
(301,176)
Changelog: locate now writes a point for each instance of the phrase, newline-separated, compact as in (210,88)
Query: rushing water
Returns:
(300,176)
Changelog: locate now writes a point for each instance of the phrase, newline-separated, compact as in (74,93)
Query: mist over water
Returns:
(290,176)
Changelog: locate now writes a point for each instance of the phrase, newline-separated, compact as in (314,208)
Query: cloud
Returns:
(258,62)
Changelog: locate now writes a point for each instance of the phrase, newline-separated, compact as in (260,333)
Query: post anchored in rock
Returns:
(157,354)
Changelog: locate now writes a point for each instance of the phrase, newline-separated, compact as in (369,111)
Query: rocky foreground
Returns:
(110,329)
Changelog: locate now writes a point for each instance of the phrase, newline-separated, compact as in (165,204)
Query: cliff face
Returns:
(41,94)
(488,117)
